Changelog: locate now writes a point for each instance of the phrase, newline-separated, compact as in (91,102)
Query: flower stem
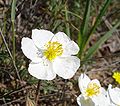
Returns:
(37,93)
(13,40)
(63,95)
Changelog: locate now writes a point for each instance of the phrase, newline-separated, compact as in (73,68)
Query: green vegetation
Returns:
(81,20)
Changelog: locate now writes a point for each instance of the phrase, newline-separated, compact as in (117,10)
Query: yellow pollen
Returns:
(116,76)
(92,89)
(53,49)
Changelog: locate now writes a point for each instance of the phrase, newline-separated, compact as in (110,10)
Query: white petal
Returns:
(42,70)
(84,102)
(100,100)
(29,49)
(83,82)
(66,67)
(71,48)
(62,38)
(96,82)
(41,37)
(109,100)
(103,91)
(114,94)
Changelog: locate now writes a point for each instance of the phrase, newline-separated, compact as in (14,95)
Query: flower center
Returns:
(93,89)
(53,49)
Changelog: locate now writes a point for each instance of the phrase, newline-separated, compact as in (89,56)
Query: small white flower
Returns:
(51,54)
(113,95)
(92,94)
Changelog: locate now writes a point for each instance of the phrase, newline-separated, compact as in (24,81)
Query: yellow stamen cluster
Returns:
(116,76)
(92,89)
(53,49)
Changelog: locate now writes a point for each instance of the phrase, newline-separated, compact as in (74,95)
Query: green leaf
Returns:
(98,20)
(74,14)
(79,42)
(84,26)
(13,26)
(67,19)
(99,17)
(13,10)
(95,47)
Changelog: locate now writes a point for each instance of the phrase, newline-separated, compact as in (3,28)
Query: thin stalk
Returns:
(13,39)
(37,93)
(67,19)
(4,27)
(72,13)
(10,54)
(13,26)
(63,94)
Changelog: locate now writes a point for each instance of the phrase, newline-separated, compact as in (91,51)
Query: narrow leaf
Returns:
(84,27)
(95,47)
(74,14)
(97,22)
(99,17)
(67,19)
(13,10)
(13,26)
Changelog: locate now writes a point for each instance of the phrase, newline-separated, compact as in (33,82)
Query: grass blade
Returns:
(84,27)
(13,26)
(67,19)
(95,47)
(72,13)
(99,18)
(13,10)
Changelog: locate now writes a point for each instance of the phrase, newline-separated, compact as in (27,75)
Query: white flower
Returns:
(92,94)
(113,95)
(51,54)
